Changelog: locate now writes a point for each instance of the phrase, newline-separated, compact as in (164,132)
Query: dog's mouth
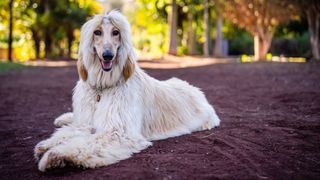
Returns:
(106,65)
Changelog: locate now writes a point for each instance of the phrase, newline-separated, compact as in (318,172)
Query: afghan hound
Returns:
(118,109)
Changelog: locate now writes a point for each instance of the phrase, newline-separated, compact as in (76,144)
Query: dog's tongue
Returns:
(106,65)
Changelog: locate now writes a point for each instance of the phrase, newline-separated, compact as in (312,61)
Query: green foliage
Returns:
(35,21)
(55,24)
(299,46)
(293,29)
(149,27)
(292,39)
(241,43)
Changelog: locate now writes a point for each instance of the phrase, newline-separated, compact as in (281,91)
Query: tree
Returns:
(215,5)
(191,41)
(192,7)
(260,18)
(10,30)
(42,17)
(207,38)
(34,15)
(218,46)
(311,9)
(50,26)
(173,29)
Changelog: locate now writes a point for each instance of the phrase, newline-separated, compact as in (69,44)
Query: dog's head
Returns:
(106,53)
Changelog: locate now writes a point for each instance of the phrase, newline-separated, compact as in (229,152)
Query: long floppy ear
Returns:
(126,51)
(82,72)
(86,53)
(128,69)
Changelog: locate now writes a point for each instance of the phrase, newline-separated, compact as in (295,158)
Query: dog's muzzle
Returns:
(107,55)
(106,62)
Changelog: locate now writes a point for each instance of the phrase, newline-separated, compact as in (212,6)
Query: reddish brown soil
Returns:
(270,125)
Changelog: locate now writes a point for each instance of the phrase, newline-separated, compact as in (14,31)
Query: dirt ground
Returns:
(270,125)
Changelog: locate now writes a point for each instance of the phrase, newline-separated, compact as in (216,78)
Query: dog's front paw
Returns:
(51,159)
(40,149)
(63,119)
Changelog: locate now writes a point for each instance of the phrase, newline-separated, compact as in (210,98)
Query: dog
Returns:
(118,109)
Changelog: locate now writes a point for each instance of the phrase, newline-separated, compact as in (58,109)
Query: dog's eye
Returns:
(97,32)
(115,33)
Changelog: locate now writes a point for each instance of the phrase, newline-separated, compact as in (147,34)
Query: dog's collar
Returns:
(99,89)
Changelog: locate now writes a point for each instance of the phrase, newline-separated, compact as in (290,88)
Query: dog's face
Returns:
(106,53)
(106,42)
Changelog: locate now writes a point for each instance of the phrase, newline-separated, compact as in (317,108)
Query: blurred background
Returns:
(245,30)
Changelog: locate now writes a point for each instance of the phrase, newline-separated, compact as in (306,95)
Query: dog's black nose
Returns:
(107,55)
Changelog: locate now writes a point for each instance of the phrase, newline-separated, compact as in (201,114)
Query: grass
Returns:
(10,66)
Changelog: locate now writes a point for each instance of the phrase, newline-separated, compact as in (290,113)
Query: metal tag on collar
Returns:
(98,97)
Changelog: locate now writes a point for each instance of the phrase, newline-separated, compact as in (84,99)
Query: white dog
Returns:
(117,108)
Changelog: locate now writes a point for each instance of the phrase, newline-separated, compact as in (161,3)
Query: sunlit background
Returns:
(249,30)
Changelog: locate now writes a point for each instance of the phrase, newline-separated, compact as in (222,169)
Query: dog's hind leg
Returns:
(213,121)
(93,151)
(63,119)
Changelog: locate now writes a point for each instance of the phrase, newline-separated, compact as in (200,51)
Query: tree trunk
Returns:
(47,32)
(48,44)
(36,40)
(314,30)
(206,45)
(10,31)
(191,36)
(261,46)
(70,38)
(60,48)
(173,29)
(218,46)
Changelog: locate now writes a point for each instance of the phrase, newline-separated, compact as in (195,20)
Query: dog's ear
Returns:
(128,69)
(85,47)
(83,73)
